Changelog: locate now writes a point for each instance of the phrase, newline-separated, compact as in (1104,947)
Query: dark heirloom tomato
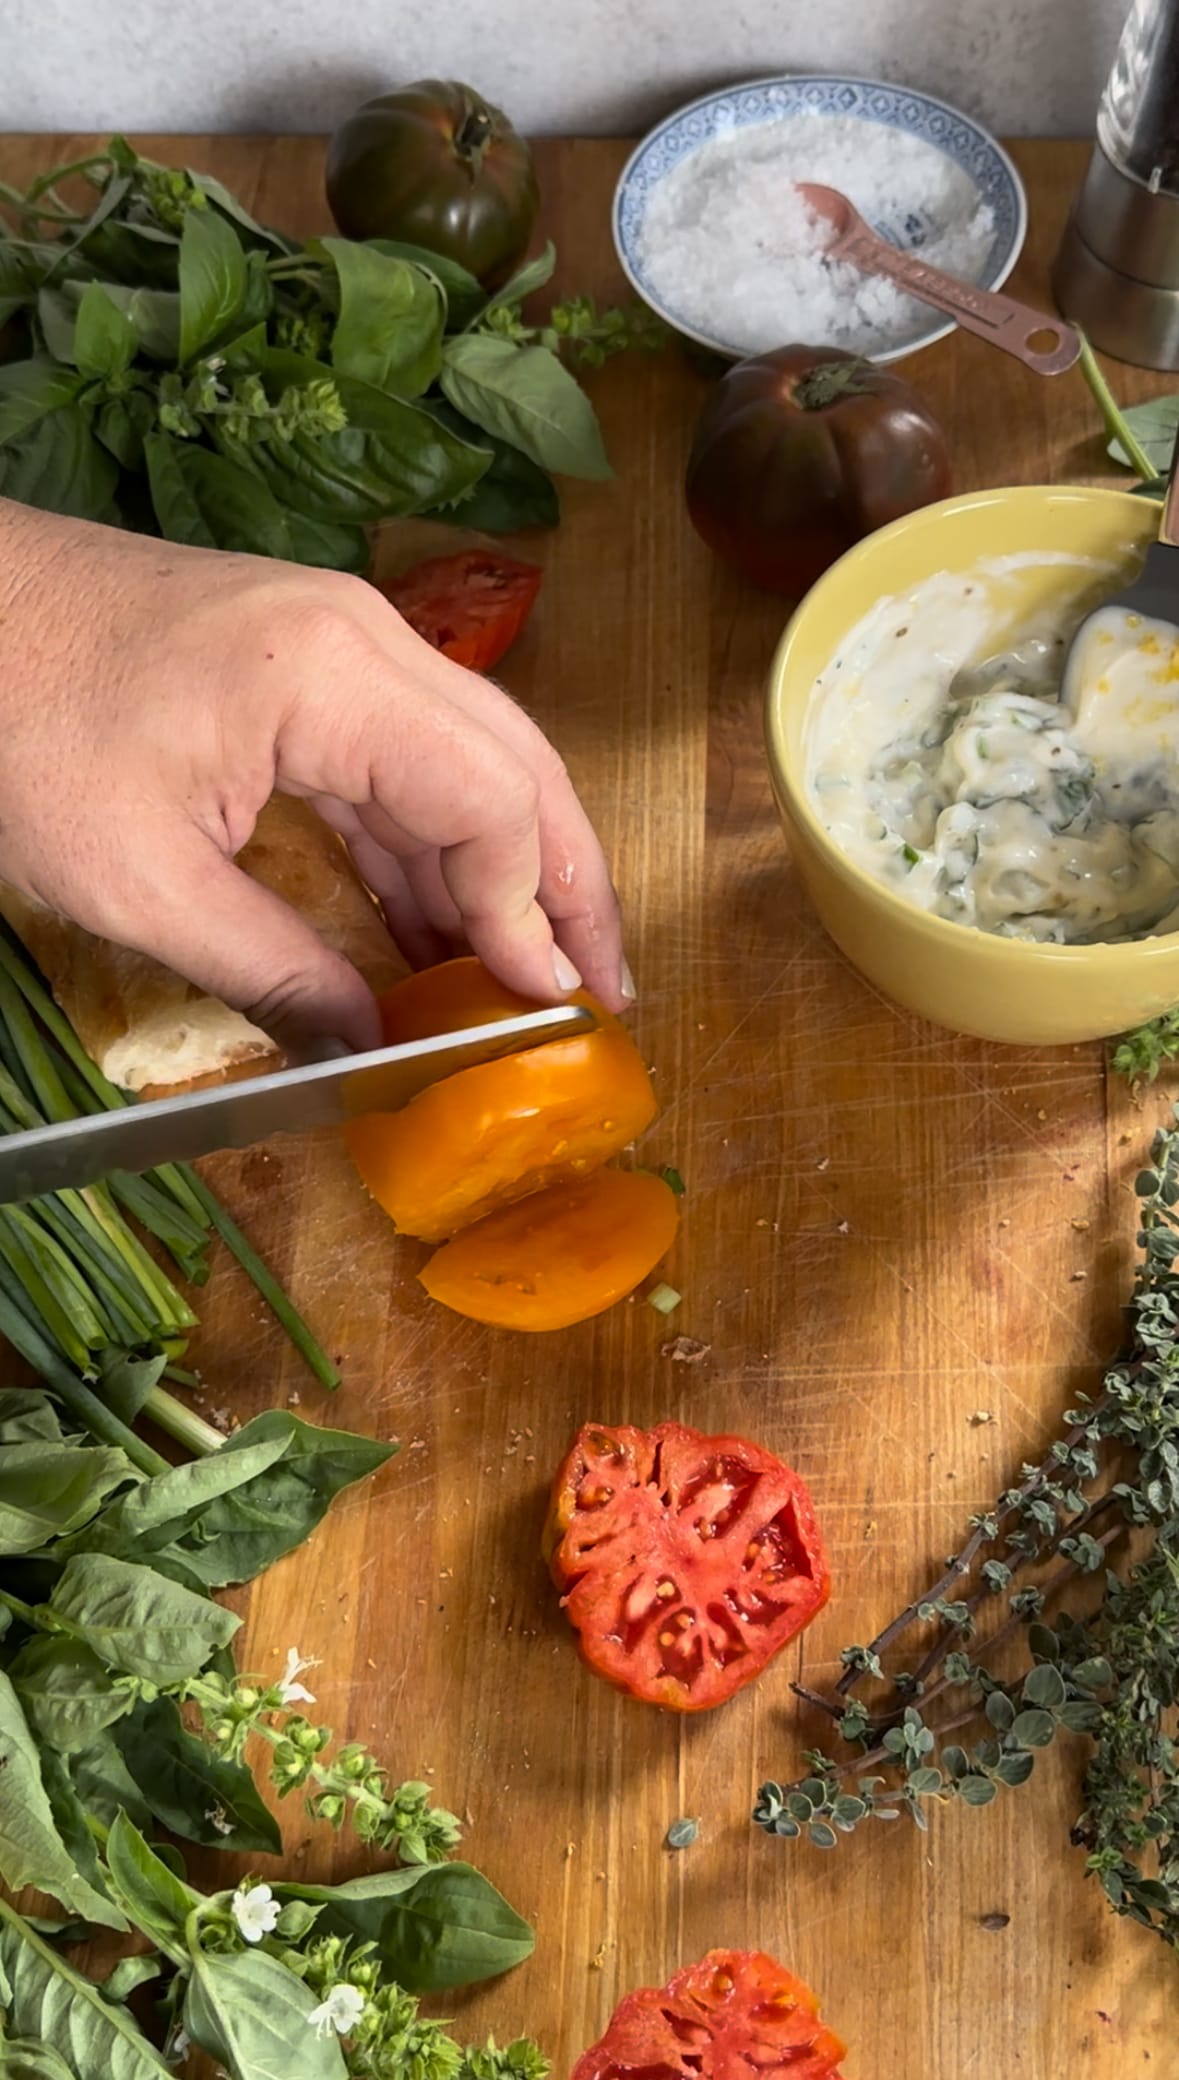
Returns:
(471,606)
(737,2015)
(800,453)
(684,1562)
(436,165)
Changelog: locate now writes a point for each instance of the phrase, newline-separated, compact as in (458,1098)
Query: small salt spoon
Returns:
(1000,319)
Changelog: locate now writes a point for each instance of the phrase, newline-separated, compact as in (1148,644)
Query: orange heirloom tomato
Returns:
(492,1135)
(560,1256)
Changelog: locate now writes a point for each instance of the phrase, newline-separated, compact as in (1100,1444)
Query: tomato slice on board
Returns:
(737,2015)
(685,1563)
(489,1136)
(560,1256)
(471,606)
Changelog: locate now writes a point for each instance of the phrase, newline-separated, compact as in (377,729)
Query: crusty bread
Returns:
(153,1033)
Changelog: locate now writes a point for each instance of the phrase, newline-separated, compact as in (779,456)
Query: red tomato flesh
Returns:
(471,606)
(685,1563)
(734,2015)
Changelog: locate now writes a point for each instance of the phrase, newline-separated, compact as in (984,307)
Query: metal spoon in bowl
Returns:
(1154,593)
(1000,319)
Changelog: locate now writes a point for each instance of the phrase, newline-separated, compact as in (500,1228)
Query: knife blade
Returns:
(70,1154)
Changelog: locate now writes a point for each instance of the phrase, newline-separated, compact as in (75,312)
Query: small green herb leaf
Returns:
(32,1851)
(682,1833)
(47,1490)
(155,1899)
(67,1694)
(57,2007)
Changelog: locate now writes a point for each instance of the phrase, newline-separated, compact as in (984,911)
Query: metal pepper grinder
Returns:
(1117,271)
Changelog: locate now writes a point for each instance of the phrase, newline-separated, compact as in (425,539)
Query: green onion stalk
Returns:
(80,1293)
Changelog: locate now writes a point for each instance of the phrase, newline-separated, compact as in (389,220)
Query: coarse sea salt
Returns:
(730,248)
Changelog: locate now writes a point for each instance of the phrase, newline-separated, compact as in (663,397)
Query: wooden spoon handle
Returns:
(999,319)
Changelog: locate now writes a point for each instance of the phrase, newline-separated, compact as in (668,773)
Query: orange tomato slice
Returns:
(560,1256)
(492,1135)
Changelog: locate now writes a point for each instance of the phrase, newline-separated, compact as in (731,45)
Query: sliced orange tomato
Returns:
(499,1133)
(560,1256)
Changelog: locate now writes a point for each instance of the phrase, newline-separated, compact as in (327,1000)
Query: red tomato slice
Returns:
(471,606)
(737,2015)
(685,1562)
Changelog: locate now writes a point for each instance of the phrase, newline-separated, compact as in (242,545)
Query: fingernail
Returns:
(325,1049)
(626,982)
(565,972)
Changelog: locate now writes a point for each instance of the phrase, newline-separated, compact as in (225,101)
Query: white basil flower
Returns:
(341,2011)
(255,1910)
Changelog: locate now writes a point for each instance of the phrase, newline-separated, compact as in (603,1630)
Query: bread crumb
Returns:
(685,1350)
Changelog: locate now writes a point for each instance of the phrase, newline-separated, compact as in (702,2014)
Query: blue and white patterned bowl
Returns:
(970,148)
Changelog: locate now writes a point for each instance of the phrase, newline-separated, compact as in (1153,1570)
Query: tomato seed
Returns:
(665,1588)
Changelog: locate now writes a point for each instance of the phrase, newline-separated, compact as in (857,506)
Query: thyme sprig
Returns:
(1102,1504)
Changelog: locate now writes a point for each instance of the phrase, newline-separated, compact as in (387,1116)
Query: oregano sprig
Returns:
(1112,1675)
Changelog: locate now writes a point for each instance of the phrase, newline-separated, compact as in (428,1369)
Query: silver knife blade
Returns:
(73,1153)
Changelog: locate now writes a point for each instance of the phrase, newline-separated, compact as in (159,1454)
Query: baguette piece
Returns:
(153,1033)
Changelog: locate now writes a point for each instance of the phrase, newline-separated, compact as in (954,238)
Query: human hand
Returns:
(153,697)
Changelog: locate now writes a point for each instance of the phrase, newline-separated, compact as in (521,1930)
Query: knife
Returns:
(76,1152)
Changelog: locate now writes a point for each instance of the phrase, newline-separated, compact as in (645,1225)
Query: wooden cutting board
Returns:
(888,1231)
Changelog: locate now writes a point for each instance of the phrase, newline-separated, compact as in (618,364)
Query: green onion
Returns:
(664,1299)
(673,1180)
(75,1279)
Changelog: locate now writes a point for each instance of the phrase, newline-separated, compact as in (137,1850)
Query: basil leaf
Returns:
(56,321)
(21,2058)
(105,336)
(514,494)
(389,331)
(242,1532)
(47,1490)
(153,314)
(435,1925)
(122,424)
(129,1973)
(449,1929)
(59,466)
(29,390)
(392,457)
(104,1784)
(212,503)
(164,1508)
(191,1790)
(66,1692)
(91,1894)
(26,1415)
(1155,426)
(32,1851)
(213,280)
(176,508)
(464,293)
(127,1381)
(330,545)
(251,2013)
(157,1902)
(524,396)
(526,281)
(55,2006)
(138,1621)
(139,256)
(229,206)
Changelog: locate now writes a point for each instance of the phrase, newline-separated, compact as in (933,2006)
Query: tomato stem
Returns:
(474,133)
(826,384)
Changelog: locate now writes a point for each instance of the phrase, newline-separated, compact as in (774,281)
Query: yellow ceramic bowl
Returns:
(971,981)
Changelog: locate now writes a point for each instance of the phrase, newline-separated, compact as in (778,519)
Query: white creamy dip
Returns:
(968,780)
